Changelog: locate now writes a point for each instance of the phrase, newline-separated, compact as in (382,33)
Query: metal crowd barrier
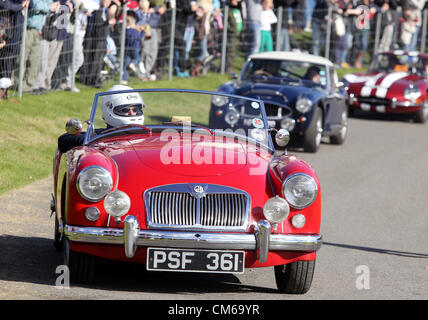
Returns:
(65,75)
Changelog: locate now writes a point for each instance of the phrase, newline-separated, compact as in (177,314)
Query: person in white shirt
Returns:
(268,18)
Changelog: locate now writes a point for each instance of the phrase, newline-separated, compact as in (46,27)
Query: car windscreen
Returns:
(123,112)
(260,69)
(399,62)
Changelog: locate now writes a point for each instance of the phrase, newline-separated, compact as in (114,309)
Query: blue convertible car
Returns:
(301,93)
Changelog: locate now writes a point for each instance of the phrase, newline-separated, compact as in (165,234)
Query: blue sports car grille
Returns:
(177,209)
(273,110)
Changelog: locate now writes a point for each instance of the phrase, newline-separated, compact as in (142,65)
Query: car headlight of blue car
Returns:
(303,105)
(219,101)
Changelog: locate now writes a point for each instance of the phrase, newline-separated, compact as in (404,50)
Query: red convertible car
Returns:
(396,82)
(149,182)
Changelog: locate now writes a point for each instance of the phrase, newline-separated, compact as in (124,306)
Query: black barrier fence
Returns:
(94,46)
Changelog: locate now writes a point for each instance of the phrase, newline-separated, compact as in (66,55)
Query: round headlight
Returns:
(219,101)
(276,210)
(300,190)
(117,203)
(94,182)
(303,105)
(412,92)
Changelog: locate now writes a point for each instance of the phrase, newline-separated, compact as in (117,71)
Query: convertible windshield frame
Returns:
(90,133)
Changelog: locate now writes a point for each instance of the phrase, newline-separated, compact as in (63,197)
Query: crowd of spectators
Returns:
(252,24)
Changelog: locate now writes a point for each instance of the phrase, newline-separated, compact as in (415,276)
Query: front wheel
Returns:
(81,266)
(313,135)
(295,277)
(421,115)
(340,137)
(58,240)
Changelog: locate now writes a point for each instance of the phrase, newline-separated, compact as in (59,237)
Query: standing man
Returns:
(51,48)
(253,23)
(184,9)
(36,20)
(234,18)
(287,21)
(13,20)
(319,25)
(95,45)
(150,13)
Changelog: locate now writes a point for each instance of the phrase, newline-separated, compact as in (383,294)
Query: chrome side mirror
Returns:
(73,127)
(282,137)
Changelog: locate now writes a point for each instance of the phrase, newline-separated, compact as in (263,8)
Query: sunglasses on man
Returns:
(129,110)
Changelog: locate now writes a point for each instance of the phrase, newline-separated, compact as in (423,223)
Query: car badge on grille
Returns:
(198,191)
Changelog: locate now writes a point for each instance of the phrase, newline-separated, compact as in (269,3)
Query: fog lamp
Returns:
(117,203)
(276,210)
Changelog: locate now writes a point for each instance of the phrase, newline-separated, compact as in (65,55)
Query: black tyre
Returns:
(351,111)
(313,135)
(295,277)
(340,137)
(421,115)
(58,241)
(81,266)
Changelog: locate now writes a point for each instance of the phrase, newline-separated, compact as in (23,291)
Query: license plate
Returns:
(195,260)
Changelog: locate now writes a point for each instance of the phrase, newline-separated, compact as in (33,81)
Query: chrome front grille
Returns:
(223,210)
(172,208)
(177,206)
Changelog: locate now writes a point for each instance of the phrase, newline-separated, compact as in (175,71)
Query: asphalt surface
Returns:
(374,223)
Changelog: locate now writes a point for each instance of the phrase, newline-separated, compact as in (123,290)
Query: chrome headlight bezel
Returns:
(105,183)
(303,105)
(412,92)
(300,180)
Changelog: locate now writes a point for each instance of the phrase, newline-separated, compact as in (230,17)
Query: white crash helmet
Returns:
(115,107)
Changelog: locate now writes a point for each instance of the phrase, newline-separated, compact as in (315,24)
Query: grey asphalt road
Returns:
(374,223)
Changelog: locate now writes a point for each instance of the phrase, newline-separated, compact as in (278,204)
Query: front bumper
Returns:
(384,105)
(131,237)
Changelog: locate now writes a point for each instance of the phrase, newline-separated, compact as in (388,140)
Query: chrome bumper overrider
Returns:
(131,236)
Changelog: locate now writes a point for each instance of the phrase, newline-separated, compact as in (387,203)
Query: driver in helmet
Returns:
(117,110)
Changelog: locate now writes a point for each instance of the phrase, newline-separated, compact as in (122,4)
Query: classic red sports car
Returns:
(150,182)
(396,82)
